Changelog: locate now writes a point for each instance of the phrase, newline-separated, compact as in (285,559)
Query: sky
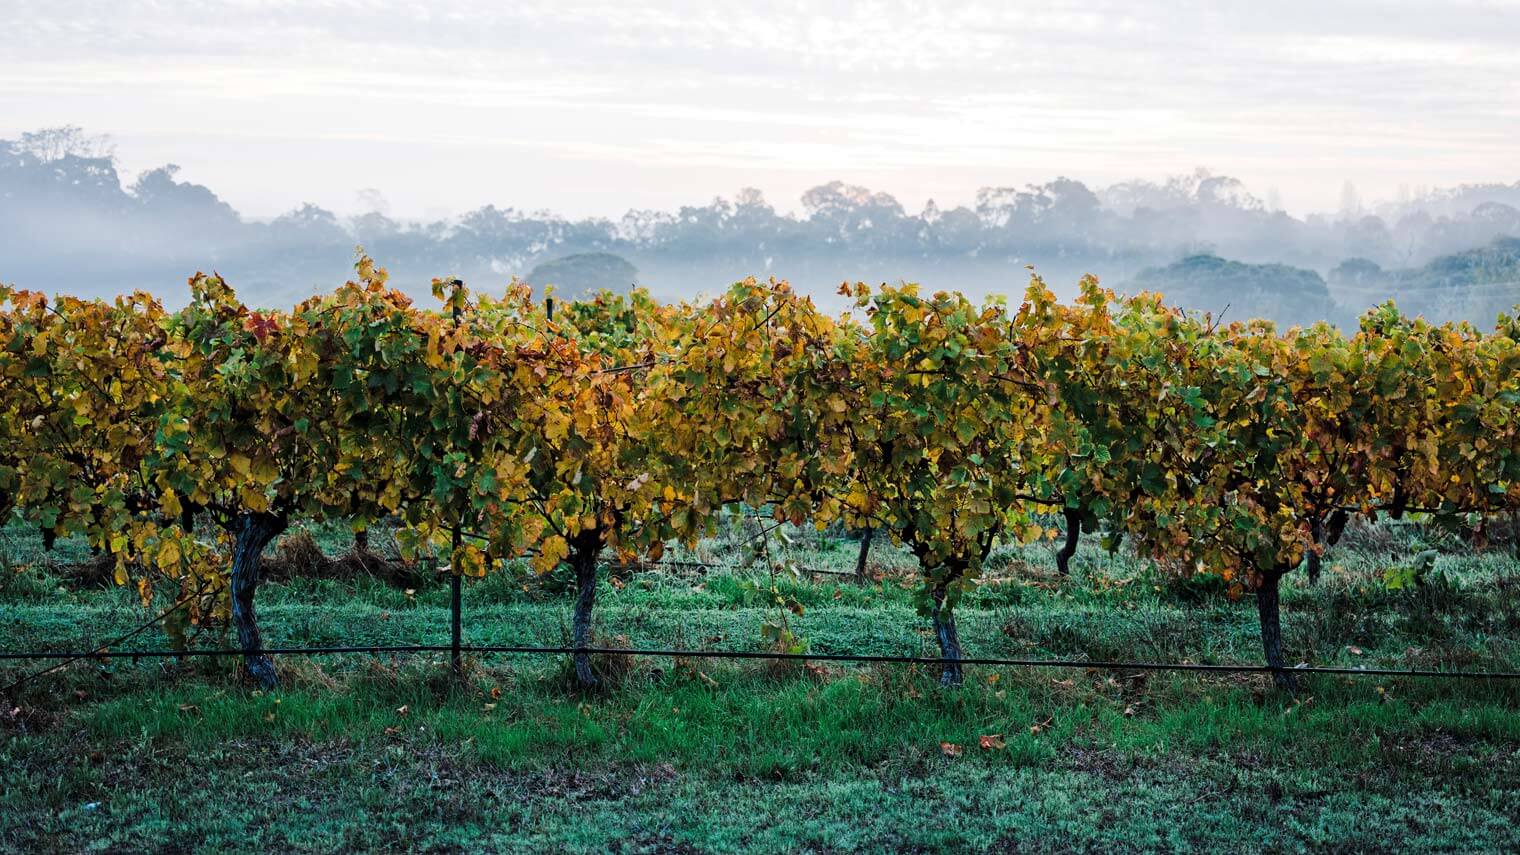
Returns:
(596,108)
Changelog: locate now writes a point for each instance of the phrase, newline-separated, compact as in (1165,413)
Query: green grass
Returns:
(358,752)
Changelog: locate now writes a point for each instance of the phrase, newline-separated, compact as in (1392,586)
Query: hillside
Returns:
(1475,284)
(1287,295)
(579,275)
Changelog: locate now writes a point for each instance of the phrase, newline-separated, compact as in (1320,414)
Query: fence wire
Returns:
(537,650)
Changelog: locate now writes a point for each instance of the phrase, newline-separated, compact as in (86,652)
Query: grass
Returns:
(358,752)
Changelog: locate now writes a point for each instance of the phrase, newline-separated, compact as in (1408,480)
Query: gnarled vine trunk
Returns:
(1338,519)
(1267,609)
(252,532)
(944,629)
(1514,531)
(583,552)
(865,552)
(1313,558)
(1073,535)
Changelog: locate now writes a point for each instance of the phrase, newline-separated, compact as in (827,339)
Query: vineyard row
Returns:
(498,428)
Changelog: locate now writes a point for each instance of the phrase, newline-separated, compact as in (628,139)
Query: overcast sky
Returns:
(593,108)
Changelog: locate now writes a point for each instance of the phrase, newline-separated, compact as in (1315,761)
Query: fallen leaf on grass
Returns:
(950,749)
(1039,726)
(992,742)
(403,709)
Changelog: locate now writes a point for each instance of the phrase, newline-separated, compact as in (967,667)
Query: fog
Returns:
(70,221)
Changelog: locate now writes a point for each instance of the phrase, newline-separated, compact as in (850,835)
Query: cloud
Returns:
(766,93)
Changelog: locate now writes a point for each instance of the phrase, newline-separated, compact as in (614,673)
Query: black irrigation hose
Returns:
(100,649)
(1105,665)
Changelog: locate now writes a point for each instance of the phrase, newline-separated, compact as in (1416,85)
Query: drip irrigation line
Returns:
(513,649)
(101,648)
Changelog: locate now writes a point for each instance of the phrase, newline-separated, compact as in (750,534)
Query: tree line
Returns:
(70,219)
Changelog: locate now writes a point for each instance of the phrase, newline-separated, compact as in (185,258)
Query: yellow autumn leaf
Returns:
(168,555)
(550,553)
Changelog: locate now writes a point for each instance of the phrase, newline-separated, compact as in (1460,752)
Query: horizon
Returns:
(373,200)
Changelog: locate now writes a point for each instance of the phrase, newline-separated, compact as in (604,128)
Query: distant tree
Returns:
(585,274)
(51,144)
(160,194)
(1497,217)
(310,224)
(371,200)
(1356,271)
(1368,237)
(848,213)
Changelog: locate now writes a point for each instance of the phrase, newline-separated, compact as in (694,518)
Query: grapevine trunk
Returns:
(865,552)
(584,551)
(949,639)
(1312,559)
(1073,534)
(252,532)
(1271,630)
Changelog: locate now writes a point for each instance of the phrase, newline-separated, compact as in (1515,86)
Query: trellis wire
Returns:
(883,658)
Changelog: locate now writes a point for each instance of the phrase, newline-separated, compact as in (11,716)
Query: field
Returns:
(699,755)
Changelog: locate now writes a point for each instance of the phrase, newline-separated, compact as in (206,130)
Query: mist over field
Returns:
(70,220)
(306,548)
(1299,160)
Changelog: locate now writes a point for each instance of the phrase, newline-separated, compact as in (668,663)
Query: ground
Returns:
(362,752)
